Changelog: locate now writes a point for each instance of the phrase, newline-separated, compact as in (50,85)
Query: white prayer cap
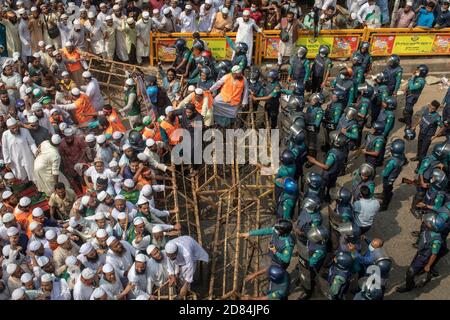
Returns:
(129,81)
(68,44)
(107,268)
(130,21)
(11,268)
(87,74)
(126,146)
(54,110)
(89,138)
(16,56)
(141,201)
(6,194)
(137,221)
(169,109)
(64,74)
(101,233)
(36,55)
(101,5)
(149,142)
(32,10)
(155,11)
(171,247)
(145,15)
(42,261)
(110,240)
(5,250)
(147,190)
(34,245)
(11,122)
(56,139)
(86,248)
(21,11)
(246,13)
(36,106)
(12,231)
(409,3)
(188,7)
(19,3)
(46,277)
(24,201)
(65,16)
(101,139)
(101,196)
(198,91)
(28,90)
(40,44)
(98,293)
(62,238)
(26,277)
(17,294)
(166,10)
(224,10)
(99,215)
(119,197)
(191,88)
(75,91)
(129,183)
(236,69)
(91,15)
(26,79)
(73,223)
(9,176)
(70,261)
(7,217)
(208,1)
(34,225)
(37,212)
(121,216)
(116,7)
(88,274)
(32,119)
(50,234)
(150,249)
(76,23)
(49,46)
(142,157)
(117,135)
(140,258)
(85,200)
(157,228)
(108,18)
(113,164)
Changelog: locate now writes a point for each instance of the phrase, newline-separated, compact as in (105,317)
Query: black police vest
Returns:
(391,78)
(345,85)
(399,163)
(280,244)
(280,203)
(335,169)
(431,195)
(318,69)
(238,58)
(298,67)
(311,113)
(255,87)
(426,239)
(371,141)
(305,220)
(337,214)
(345,123)
(329,112)
(445,210)
(427,174)
(355,70)
(282,287)
(346,274)
(366,60)
(427,124)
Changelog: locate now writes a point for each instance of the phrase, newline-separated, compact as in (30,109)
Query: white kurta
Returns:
(110,42)
(96,35)
(81,291)
(60,290)
(124,262)
(143,31)
(46,166)
(188,23)
(14,80)
(143,282)
(121,43)
(245,34)
(95,94)
(18,151)
(206,18)
(25,38)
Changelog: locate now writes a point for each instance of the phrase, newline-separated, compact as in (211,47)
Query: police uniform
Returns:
(381,93)
(357,183)
(358,76)
(272,106)
(331,118)
(426,167)
(446,113)
(319,68)
(279,291)
(335,160)
(343,213)
(352,132)
(367,59)
(283,172)
(346,85)
(299,71)
(286,205)
(388,118)
(311,259)
(390,173)
(338,280)
(300,152)
(428,126)
(306,221)
(363,106)
(185,54)
(313,119)
(377,144)
(415,87)
(394,78)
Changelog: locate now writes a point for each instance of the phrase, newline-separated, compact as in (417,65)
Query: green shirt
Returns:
(131,196)
(284,172)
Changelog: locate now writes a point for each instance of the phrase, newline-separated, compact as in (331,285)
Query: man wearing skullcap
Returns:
(25,36)
(66,248)
(111,284)
(14,273)
(143,28)
(158,19)
(95,35)
(222,21)
(158,265)
(203,101)
(73,61)
(139,276)
(37,132)
(92,259)
(11,24)
(19,160)
(13,81)
(47,166)
(35,23)
(119,21)
(55,288)
(92,90)
(50,28)
(132,108)
(81,106)
(110,37)
(73,151)
(188,20)
(120,255)
(85,285)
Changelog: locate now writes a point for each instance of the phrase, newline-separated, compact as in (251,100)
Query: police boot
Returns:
(409,283)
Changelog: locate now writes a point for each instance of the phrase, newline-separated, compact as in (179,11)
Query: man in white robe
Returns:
(25,35)
(55,288)
(207,13)
(245,26)
(96,37)
(121,44)
(85,285)
(93,91)
(121,255)
(143,28)
(19,148)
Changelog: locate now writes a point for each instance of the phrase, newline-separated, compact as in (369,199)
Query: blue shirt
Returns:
(425,18)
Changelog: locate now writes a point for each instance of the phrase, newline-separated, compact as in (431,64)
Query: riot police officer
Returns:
(345,82)
(339,275)
(313,119)
(365,53)
(358,70)
(387,115)
(287,169)
(311,258)
(320,69)
(363,105)
(429,248)
(392,170)
(348,126)
(332,115)
(240,56)
(381,92)
(375,146)
(369,291)
(342,213)
(183,57)
(255,86)
(314,185)
(428,125)
(436,194)
(281,243)
(298,147)
(299,70)
(363,176)
(334,162)
(222,68)
(308,217)
(287,200)
(394,73)
(415,87)
(279,283)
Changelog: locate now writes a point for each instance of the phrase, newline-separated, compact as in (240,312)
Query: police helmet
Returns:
(196,44)
(317,96)
(325,50)
(254,74)
(287,157)
(441,150)
(20,104)
(310,205)
(385,265)
(242,47)
(283,226)
(206,71)
(365,45)
(423,70)
(224,65)
(273,74)
(205,61)
(339,93)
(294,103)
(180,44)
(393,61)
(314,180)
(299,122)
(366,170)
(367,91)
(398,147)
(198,60)
(344,260)
(338,139)
(381,78)
(439,179)
(299,138)
(290,186)
(370,291)
(318,234)
(391,103)
(410,134)
(344,196)
(350,113)
(436,223)
(378,126)
(276,273)
(302,52)
(135,138)
(357,58)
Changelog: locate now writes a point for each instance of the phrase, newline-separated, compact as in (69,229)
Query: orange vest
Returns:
(84,106)
(154,134)
(30,220)
(232,90)
(72,67)
(115,124)
(199,104)
(22,218)
(170,130)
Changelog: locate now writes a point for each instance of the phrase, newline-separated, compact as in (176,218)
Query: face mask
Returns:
(253,9)
(322,55)
(252,81)
(371,248)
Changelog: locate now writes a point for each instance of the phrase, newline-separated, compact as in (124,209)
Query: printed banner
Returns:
(415,44)
(340,46)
